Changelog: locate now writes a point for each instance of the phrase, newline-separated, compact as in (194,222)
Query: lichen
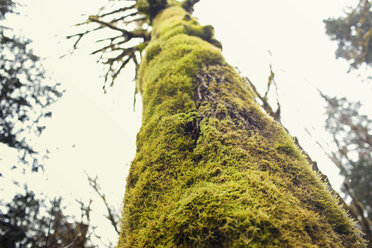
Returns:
(211,169)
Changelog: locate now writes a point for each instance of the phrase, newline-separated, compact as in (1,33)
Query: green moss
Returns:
(152,51)
(143,6)
(151,7)
(177,21)
(211,169)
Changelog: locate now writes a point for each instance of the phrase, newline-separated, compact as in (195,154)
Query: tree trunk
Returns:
(212,170)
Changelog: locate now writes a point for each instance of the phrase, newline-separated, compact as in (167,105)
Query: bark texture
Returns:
(212,170)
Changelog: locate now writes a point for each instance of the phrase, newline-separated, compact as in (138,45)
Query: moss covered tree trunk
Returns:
(212,170)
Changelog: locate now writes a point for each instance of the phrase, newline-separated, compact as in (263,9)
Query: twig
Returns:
(112,217)
(118,10)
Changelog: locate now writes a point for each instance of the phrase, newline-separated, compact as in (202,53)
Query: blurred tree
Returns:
(24,93)
(211,170)
(353,34)
(28,222)
(351,131)
(352,134)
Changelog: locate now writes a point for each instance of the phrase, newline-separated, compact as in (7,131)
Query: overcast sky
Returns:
(95,132)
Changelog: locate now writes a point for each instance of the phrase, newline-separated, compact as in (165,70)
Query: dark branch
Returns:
(118,10)
(112,216)
(116,43)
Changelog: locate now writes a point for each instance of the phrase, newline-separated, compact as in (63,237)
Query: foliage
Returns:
(24,94)
(30,222)
(353,34)
(6,6)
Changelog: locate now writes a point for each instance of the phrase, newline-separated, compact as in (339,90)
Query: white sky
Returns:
(95,132)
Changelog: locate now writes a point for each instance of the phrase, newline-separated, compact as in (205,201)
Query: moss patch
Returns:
(211,169)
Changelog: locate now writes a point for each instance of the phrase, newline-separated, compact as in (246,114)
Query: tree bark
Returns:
(212,170)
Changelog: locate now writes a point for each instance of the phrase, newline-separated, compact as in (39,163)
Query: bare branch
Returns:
(265,104)
(112,216)
(107,24)
(136,20)
(118,10)
(116,43)
(123,17)
(114,76)
(112,39)
(81,35)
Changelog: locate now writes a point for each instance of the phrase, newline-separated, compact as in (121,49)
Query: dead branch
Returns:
(111,215)
(117,11)
(116,43)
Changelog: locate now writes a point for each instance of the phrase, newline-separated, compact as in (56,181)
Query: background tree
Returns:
(351,132)
(24,93)
(353,34)
(28,221)
(211,169)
